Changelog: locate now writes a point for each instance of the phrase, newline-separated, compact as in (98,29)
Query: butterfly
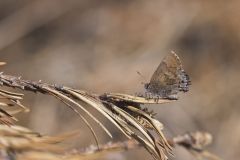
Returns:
(169,78)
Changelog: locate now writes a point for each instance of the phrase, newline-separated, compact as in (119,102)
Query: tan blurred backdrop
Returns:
(99,45)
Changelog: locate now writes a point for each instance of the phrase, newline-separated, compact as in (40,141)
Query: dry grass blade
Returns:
(148,146)
(9,99)
(4,104)
(10,95)
(17,141)
(97,105)
(156,125)
(131,134)
(133,122)
(76,95)
(135,99)
(64,98)
(6,118)
(13,97)
(18,103)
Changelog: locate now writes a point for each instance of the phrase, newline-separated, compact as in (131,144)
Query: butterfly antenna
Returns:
(144,79)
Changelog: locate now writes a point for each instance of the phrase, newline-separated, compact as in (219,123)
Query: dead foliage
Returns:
(125,112)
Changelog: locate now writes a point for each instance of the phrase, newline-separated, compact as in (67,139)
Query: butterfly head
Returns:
(146,86)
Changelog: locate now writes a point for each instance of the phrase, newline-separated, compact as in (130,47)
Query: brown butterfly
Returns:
(169,78)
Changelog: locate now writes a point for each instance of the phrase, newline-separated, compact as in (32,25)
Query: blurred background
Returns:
(99,46)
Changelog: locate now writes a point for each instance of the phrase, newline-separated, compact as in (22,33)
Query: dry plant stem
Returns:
(150,143)
(98,122)
(98,106)
(132,144)
(109,147)
(156,125)
(84,120)
(16,82)
(140,100)
(10,99)
(117,108)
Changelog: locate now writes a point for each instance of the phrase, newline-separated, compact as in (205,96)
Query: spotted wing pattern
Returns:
(169,78)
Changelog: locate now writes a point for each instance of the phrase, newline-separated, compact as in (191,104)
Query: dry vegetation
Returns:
(124,111)
(98,47)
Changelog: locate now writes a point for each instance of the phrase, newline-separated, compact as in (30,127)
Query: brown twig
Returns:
(194,142)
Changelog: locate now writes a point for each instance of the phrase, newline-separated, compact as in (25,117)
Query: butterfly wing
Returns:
(169,77)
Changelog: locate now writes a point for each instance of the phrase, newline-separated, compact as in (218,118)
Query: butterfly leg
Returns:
(156,98)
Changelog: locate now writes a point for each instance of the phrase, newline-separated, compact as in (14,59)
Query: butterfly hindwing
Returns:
(169,78)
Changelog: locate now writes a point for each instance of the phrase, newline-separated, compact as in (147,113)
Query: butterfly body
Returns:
(169,78)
